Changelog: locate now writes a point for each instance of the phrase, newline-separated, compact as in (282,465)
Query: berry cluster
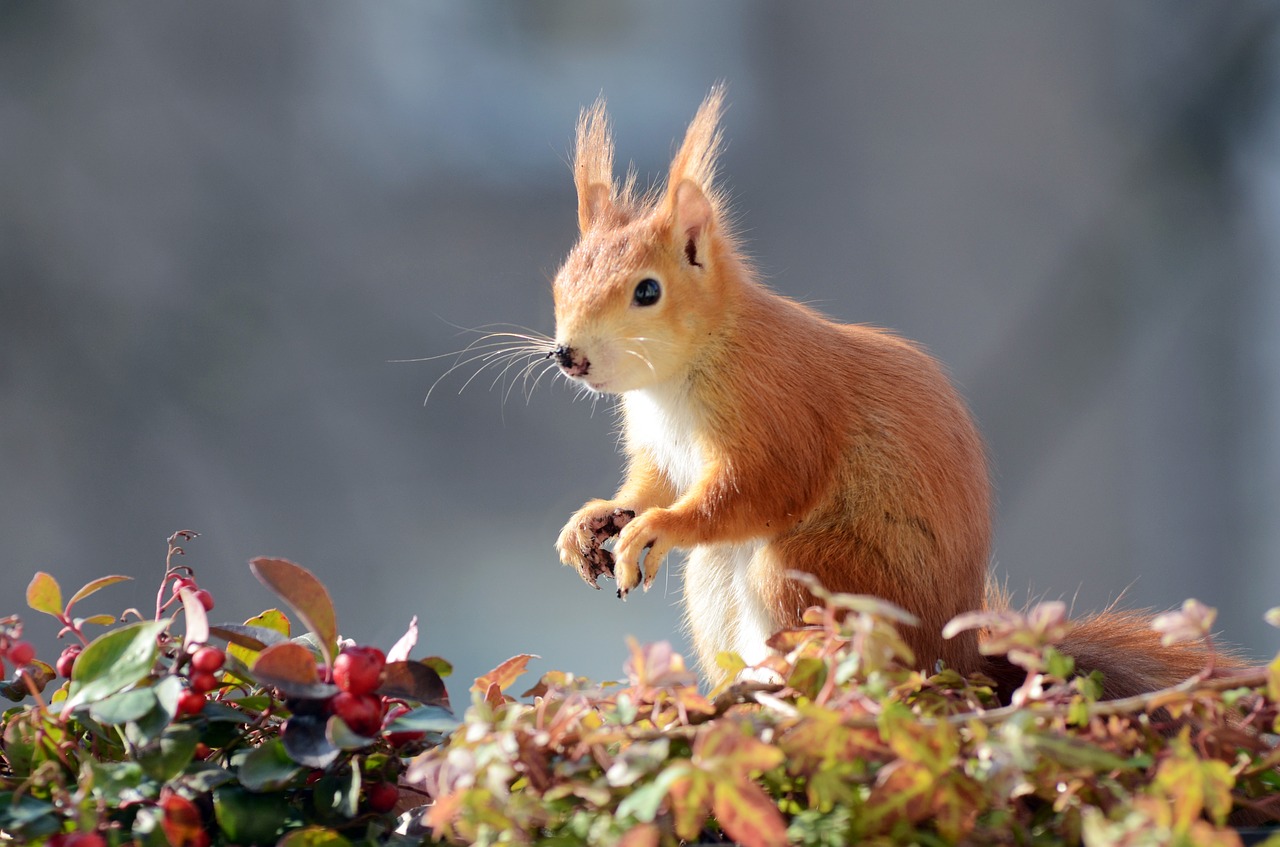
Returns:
(238,744)
(16,651)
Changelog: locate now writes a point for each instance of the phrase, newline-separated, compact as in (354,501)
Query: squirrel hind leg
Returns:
(724,608)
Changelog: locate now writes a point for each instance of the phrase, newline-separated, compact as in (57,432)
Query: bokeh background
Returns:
(220,223)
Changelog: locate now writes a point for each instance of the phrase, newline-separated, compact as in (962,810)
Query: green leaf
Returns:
(268,768)
(313,836)
(116,782)
(123,706)
(305,594)
(343,737)
(95,586)
(113,661)
(164,759)
(45,595)
(26,815)
(643,803)
(338,794)
(425,719)
(306,742)
(248,818)
(203,777)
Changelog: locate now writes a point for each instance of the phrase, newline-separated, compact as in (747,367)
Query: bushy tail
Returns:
(1123,645)
(1128,651)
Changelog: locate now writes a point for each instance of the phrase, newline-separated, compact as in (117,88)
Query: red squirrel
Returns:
(762,437)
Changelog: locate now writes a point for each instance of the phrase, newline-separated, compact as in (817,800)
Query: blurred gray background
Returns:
(221,222)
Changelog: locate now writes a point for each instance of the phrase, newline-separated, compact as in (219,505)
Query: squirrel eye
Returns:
(647,292)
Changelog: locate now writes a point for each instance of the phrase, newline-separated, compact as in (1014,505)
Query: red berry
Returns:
(382,796)
(184,582)
(361,712)
(207,660)
(21,652)
(202,751)
(401,738)
(358,669)
(190,703)
(67,660)
(206,599)
(202,682)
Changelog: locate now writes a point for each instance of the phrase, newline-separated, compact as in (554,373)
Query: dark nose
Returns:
(570,361)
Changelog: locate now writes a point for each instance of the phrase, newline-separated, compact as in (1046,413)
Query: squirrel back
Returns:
(763,437)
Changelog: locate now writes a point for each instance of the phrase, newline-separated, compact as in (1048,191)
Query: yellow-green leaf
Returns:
(748,815)
(690,796)
(44,594)
(97,585)
(272,619)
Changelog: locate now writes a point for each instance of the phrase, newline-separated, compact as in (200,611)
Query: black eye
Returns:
(647,292)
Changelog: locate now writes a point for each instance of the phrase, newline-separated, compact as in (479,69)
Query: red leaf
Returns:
(181,822)
(414,681)
(197,620)
(305,594)
(504,674)
(641,835)
(748,815)
(494,697)
(292,668)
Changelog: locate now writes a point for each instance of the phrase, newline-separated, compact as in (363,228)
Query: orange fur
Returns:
(763,437)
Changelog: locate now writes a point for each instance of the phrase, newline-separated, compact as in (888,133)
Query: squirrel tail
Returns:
(1124,647)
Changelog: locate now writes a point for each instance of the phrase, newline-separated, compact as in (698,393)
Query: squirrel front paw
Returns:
(649,532)
(581,542)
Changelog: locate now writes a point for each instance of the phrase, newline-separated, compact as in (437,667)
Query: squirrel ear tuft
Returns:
(594,203)
(593,165)
(692,200)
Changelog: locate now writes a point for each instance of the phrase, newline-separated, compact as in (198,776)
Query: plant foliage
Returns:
(833,741)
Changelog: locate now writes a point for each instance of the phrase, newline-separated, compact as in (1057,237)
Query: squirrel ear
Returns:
(691,219)
(594,201)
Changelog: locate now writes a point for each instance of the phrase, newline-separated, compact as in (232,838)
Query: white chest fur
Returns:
(664,424)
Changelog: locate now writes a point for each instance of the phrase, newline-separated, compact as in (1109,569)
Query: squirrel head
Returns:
(640,294)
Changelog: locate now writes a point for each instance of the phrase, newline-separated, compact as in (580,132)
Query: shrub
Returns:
(166,738)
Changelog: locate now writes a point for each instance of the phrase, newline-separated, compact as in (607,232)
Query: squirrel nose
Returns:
(570,361)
